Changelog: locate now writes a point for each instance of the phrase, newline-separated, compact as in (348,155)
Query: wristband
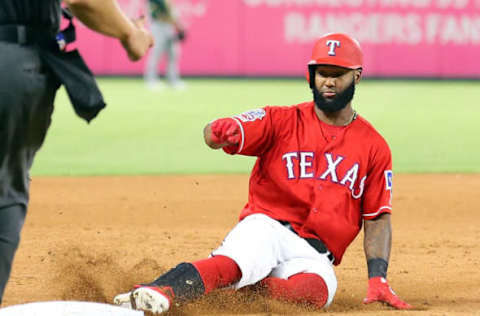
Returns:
(377,267)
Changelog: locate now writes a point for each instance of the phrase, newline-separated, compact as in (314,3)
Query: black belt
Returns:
(42,36)
(24,34)
(317,244)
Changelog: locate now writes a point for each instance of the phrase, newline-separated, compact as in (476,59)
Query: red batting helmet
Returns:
(335,49)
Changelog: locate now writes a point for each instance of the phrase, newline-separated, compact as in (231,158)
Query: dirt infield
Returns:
(90,238)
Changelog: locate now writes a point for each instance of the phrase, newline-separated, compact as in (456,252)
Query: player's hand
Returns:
(138,41)
(380,291)
(181,35)
(225,131)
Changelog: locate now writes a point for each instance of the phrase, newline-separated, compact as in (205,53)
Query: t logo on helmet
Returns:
(333,45)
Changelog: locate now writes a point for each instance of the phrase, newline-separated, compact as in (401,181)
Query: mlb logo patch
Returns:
(251,115)
(388,179)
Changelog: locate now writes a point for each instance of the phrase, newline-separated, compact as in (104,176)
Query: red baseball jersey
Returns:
(323,179)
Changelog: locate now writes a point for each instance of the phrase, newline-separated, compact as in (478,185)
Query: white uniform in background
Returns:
(166,44)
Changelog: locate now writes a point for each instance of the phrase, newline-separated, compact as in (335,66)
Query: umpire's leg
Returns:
(27,91)
(11,224)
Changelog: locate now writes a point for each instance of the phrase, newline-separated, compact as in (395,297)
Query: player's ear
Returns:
(357,75)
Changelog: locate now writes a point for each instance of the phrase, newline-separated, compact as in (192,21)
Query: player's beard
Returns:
(337,103)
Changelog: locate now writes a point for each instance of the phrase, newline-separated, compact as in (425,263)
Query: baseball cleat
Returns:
(123,300)
(150,299)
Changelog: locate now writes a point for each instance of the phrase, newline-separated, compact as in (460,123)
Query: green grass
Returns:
(430,126)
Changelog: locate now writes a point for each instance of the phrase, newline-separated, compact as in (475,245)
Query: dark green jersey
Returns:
(160,9)
(45,13)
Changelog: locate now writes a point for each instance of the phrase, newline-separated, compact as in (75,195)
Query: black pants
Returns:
(27,93)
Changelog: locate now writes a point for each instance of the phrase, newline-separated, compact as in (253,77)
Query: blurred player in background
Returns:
(322,172)
(168,32)
(29,31)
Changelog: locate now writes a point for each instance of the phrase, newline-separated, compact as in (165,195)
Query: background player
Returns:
(321,171)
(27,93)
(168,32)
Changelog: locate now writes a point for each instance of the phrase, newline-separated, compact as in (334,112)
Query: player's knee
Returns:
(312,288)
(327,275)
(302,288)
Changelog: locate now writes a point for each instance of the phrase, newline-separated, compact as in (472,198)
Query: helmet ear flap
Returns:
(311,76)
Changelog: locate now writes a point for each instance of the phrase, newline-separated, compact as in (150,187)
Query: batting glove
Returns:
(380,291)
(225,131)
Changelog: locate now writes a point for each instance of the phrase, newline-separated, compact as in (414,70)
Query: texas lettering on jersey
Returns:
(305,160)
(323,180)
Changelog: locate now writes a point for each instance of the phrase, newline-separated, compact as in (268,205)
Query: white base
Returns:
(67,308)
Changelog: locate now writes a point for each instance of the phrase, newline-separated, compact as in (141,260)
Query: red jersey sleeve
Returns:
(378,184)
(257,132)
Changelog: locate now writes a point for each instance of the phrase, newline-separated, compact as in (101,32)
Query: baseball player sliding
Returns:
(322,170)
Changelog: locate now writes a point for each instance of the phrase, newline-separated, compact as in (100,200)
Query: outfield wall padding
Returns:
(407,38)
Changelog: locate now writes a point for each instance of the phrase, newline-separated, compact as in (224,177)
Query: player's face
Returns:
(334,87)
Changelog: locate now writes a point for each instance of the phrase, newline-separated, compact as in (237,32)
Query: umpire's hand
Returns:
(138,41)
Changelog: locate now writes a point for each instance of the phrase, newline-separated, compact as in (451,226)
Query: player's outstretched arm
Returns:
(222,133)
(106,17)
(377,245)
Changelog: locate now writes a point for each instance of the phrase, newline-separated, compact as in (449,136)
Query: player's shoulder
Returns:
(289,115)
(370,133)
(289,110)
